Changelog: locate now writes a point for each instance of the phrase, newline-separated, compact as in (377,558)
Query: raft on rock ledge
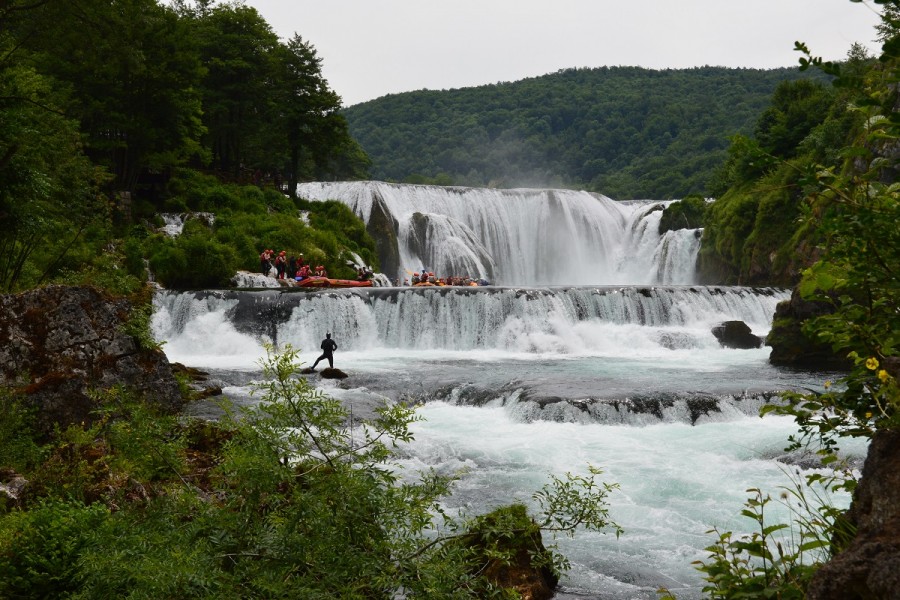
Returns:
(328,282)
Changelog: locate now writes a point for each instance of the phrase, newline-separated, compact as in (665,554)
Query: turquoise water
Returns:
(655,401)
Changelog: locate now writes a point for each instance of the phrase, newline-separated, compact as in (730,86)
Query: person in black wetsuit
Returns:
(328,347)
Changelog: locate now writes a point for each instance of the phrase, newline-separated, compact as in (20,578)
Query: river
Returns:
(608,362)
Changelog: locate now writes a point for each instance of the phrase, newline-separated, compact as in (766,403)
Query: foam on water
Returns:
(650,323)
(521,382)
(677,481)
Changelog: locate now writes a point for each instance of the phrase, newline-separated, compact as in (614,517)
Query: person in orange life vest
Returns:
(281,264)
(328,347)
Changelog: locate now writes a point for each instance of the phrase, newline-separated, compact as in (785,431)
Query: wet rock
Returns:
(331,373)
(736,334)
(59,343)
(790,346)
(192,373)
(207,391)
(870,565)
(198,382)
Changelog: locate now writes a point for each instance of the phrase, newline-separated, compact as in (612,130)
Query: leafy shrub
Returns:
(40,548)
(281,500)
(18,449)
(108,271)
(133,251)
(141,441)
(193,260)
(138,327)
(777,560)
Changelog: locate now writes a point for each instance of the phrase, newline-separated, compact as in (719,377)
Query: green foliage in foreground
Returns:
(289,499)
(856,206)
(18,450)
(776,560)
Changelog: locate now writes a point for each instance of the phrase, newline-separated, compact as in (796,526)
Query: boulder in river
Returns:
(736,334)
(332,373)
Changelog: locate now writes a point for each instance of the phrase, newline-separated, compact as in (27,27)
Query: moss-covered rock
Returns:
(687,213)
(791,347)
(59,343)
(519,562)
(382,228)
(753,234)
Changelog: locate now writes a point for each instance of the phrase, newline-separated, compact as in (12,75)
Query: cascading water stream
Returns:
(517,237)
(534,320)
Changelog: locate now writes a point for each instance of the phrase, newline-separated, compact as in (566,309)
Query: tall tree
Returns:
(132,71)
(48,193)
(797,107)
(236,47)
(317,139)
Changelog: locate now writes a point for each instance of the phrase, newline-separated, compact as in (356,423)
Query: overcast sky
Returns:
(375,47)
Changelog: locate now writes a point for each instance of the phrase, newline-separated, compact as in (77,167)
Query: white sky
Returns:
(375,47)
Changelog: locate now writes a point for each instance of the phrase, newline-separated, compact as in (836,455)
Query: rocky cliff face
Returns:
(58,343)
(790,346)
(869,568)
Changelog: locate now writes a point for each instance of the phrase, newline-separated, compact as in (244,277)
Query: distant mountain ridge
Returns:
(627,132)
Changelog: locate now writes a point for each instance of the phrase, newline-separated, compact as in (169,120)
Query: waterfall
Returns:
(173,223)
(593,348)
(526,237)
(534,320)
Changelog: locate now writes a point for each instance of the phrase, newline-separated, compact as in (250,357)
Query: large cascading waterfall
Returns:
(526,237)
(594,348)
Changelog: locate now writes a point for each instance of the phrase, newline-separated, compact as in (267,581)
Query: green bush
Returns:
(109,271)
(249,219)
(777,560)
(18,449)
(193,260)
(40,548)
(281,500)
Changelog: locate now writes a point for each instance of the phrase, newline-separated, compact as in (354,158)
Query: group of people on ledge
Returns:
(428,278)
(288,267)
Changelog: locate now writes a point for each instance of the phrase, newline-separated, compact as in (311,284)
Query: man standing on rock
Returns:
(328,347)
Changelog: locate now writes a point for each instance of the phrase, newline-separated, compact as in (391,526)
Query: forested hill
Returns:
(627,132)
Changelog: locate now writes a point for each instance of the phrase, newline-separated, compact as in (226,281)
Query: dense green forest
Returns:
(626,132)
(755,232)
(111,112)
